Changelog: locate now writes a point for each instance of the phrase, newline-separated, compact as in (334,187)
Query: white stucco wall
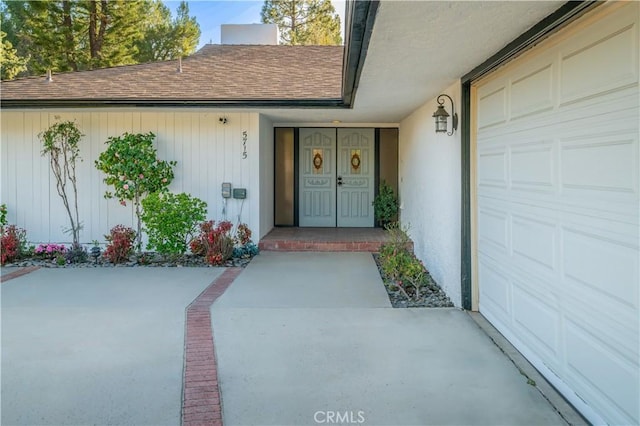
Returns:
(429,192)
(207,151)
(266,176)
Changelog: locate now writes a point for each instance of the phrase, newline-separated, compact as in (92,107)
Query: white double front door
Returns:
(336,177)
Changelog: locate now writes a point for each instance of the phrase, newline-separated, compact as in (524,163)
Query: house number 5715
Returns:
(244,144)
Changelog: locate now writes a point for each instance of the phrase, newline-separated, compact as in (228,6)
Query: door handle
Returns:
(339,181)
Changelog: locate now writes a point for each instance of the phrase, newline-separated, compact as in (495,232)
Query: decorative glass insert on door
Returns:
(317,161)
(355,161)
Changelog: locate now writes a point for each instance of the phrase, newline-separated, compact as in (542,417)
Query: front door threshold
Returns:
(325,239)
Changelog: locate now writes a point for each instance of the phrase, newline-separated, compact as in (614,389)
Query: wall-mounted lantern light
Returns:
(441,115)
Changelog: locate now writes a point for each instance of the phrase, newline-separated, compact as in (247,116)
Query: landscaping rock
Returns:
(146,260)
(432,296)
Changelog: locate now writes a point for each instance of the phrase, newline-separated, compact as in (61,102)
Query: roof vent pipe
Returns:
(49,77)
(179,64)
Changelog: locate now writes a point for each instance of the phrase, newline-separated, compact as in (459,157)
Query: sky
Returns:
(211,14)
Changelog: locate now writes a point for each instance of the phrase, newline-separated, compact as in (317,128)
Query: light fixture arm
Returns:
(454,115)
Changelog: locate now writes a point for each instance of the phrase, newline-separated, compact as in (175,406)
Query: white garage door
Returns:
(557,184)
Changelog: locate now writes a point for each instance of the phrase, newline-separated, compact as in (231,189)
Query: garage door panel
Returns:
(617,384)
(584,256)
(607,63)
(534,241)
(494,230)
(492,107)
(537,318)
(532,166)
(600,166)
(493,166)
(616,329)
(495,295)
(532,93)
(558,209)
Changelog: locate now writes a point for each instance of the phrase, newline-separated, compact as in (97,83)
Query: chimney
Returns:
(179,64)
(249,34)
(49,76)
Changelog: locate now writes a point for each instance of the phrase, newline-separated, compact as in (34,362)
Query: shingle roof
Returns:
(214,73)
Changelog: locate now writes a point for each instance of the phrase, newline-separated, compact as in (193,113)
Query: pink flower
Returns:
(164,180)
(123,202)
(141,176)
(122,178)
(125,186)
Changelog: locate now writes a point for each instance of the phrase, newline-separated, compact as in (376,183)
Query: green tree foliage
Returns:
(134,170)
(165,38)
(11,64)
(303,21)
(65,35)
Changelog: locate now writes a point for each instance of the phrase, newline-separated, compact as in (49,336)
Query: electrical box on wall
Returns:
(226,190)
(240,193)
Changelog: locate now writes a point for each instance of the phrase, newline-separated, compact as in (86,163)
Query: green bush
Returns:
(171,220)
(400,265)
(3,214)
(134,170)
(385,204)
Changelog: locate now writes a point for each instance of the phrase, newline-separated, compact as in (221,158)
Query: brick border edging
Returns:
(20,272)
(200,391)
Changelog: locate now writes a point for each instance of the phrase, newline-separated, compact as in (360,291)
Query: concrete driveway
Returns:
(310,338)
(300,338)
(96,346)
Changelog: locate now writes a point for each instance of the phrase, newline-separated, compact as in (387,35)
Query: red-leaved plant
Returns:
(12,243)
(214,242)
(120,244)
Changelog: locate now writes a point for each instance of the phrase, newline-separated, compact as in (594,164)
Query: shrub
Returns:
(214,242)
(3,214)
(120,244)
(385,204)
(76,254)
(244,246)
(171,220)
(247,250)
(13,243)
(243,234)
(134,170)
(398,238)
(400,265)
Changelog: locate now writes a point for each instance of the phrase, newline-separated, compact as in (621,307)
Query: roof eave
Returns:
(360,19)
(196,103)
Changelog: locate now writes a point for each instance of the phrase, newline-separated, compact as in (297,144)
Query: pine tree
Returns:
(166,39)
(303,21)
(11,64)
(65,35)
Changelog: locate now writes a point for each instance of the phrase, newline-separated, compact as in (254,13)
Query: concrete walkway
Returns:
(310,338)
(96,346)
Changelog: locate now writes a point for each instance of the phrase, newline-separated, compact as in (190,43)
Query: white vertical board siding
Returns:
(429,192)
(558,210)
(208,153)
